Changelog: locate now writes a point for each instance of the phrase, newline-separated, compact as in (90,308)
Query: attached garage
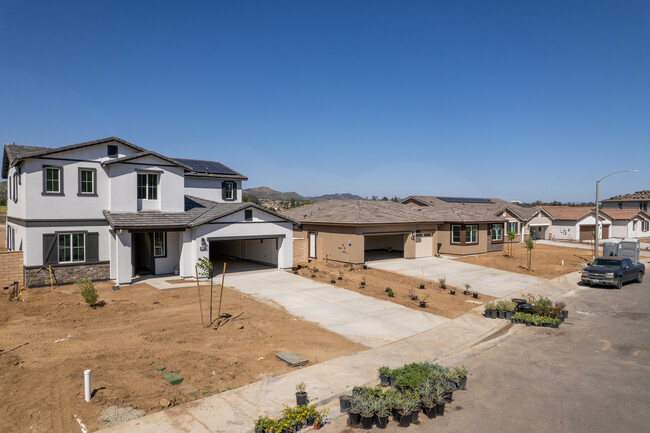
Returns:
(588,232)
(384,245)
(262,250)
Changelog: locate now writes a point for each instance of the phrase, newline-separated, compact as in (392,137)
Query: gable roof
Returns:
(14,151)
(471,208)
(142,155)
(205,168)
(570,213)
(624,214)
(636,196)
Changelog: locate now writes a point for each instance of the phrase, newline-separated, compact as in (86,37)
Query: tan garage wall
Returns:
(300,246)
(446,247)
(11,268)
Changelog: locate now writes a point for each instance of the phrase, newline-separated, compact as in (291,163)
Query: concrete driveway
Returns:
(360,318)
(489,281)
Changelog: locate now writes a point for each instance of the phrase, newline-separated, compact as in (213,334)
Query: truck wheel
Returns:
(619,283)
(639,277)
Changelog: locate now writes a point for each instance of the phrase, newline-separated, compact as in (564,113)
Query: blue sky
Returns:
(521,100)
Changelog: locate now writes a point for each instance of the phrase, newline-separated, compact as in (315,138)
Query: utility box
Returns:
(626,248)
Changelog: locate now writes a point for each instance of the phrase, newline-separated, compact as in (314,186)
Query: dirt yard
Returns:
(546,262)
(439,301)
(139,328)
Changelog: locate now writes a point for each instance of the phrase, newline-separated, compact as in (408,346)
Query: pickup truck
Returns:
(613,271)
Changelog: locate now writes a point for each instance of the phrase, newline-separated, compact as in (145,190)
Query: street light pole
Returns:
(597,218)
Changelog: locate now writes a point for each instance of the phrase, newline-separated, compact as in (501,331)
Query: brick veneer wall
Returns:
(65,274)
(492,247)
(11,268)
(3,237)
(300,247)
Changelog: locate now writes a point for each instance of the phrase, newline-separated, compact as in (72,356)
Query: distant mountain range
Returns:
(267,194)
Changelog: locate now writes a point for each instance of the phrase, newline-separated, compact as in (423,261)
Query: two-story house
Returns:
(109,209)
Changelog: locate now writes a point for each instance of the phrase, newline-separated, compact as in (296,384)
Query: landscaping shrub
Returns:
(88,291)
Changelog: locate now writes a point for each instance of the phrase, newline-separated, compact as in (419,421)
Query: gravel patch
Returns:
(115,415)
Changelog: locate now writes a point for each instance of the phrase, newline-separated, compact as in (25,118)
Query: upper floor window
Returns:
(52,180)
(619,205)
(87,181)
(643,206)
(229,191)
(471,234)
(497,232)
(147,186)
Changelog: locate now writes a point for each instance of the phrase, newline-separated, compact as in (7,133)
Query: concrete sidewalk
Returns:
(360,318)
(235,411)
(484,280)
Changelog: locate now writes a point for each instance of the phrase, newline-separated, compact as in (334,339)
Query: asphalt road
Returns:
(590,375)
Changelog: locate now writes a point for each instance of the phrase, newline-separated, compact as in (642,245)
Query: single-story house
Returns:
(356,230)
(577,223)
(628,223)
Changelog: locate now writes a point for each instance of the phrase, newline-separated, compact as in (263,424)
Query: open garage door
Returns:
(260,251)
(384,246)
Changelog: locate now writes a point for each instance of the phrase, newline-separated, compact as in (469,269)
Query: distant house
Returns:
(109,209)
(628,223)
(639,200)
(353,230)
(534,222)
(577,223)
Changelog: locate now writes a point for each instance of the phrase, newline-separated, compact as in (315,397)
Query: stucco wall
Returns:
(446,247)
(210,188)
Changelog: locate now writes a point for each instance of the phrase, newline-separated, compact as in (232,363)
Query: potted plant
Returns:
(452,291)
(408,406)
(475,295)
(413,296)
(467,287)
(354,413)
(425,391)
(501,309)
(384,372)
(344,403)
(509,309)
(491,310)
(390,292)
(423,302)
(442,282)
(367,412)
(382,411)
(396,405)
(461,374)
(440,398)
(363,281)
(422,286)
(261,424)
(313,275)
(301,394)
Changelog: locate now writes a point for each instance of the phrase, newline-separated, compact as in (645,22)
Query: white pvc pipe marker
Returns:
(87,383)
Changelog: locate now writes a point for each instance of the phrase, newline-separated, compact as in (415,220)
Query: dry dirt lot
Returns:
(439,301)
(546,262)
(138,329)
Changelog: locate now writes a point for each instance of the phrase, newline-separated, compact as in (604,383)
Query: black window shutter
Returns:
(234,190)
(50,253)
(92,247)
(223,190)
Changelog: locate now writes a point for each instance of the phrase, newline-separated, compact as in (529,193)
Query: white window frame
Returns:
(148,186)
(515,228)
(473,234)
(460,234)
(160,236)
(645,226)
(494,230)
(72,247)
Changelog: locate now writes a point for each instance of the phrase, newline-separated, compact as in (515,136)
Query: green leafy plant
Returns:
(491,306)
(301,387)
(442,282)
(390,292)
(530,244)
(385,370)
(88,292)
(511,237)
(510,306)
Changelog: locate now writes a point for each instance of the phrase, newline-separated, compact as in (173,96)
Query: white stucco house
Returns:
(109,209)
(628,223)
(577,223)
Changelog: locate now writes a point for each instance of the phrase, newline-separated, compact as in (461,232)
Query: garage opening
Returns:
(245,254)
(384,246)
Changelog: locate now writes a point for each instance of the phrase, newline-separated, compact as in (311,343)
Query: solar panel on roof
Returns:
(210,167)
(465,200)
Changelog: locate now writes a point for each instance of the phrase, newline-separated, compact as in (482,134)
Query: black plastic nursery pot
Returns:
(493,314)
(366,422)
(301,398)
(344,403)
(423,304)
(404,419)
(501,314)
(383,379)
(508,315)
(440,409)
(475,295)
(382,421)
(422,286)
(463,383)
(340,278)
(354,418)
(565,314)
(310,422)
(395,411)
(415,415)
(430,411)
(391,382)
(414,298)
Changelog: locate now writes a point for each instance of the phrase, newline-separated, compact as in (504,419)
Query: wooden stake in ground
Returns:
(223,277)
(198,287)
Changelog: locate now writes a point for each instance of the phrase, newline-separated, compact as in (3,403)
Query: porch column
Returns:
(123,257)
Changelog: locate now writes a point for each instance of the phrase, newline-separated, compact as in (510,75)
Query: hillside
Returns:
(267,194)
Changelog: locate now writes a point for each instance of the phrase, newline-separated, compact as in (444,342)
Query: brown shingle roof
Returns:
(639,195)
(358,212)
(494,208)
(624,214)
(568,213)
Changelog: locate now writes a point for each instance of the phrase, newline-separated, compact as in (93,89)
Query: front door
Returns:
(142,253)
